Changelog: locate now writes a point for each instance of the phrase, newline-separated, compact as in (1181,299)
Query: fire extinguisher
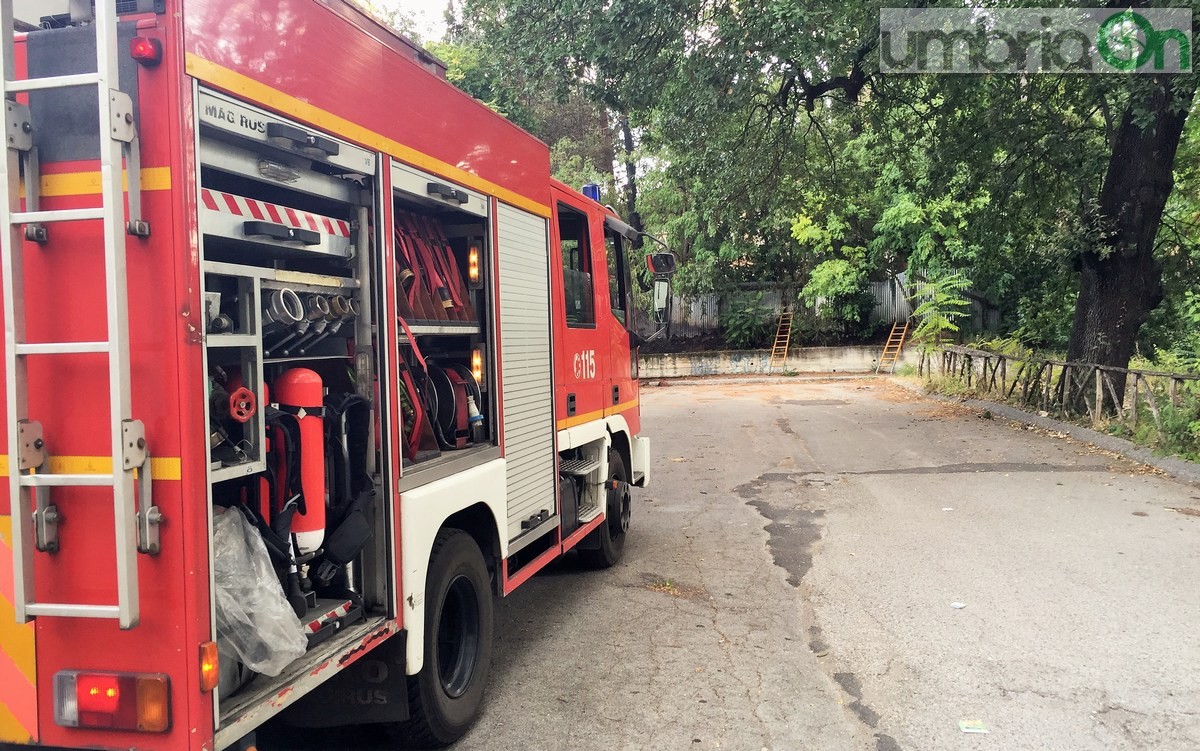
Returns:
(301,392)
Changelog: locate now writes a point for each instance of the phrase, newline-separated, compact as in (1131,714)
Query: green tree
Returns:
(1048,191)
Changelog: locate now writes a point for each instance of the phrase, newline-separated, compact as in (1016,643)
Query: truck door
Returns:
(622,383)
(582,343)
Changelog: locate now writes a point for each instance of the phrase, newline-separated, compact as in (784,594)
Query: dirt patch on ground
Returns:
(1185,510)
(947,411)
(887,390)
(671,587)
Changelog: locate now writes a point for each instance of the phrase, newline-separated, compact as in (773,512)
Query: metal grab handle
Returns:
(281,232)
(149,516)
(293,137)
(448,193)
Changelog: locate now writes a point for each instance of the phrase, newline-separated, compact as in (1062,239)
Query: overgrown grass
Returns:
(950,385)
(1179,434)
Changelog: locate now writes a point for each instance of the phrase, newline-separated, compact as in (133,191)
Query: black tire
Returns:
(444,697)
(606,544)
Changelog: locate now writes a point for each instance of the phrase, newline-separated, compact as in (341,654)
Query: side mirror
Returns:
(662,299)
(662,268)
(661,264)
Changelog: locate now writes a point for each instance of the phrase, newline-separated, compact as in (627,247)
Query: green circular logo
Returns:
(1126,40)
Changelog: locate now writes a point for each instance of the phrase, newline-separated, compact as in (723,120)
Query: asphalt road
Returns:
(793,577)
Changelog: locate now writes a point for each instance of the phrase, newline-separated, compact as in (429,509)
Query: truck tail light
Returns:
(113,701)
(146,51)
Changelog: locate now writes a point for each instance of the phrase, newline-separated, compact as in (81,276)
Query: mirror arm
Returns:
(655,239)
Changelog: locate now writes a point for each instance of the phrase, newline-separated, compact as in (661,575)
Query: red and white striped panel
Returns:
(339,612)
(228,203)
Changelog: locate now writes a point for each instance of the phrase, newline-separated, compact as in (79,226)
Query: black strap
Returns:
(295,411)
(289,426)
(347,440)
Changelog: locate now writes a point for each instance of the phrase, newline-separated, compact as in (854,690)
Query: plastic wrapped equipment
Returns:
(253,617)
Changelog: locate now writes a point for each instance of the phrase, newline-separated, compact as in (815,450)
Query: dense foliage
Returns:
(761,140)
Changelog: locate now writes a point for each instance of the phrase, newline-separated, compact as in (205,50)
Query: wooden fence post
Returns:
(1153,406)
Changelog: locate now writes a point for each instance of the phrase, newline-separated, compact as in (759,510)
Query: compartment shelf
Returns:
(232,340)
(304,358)
(421,329)
(318,282)
(235,471)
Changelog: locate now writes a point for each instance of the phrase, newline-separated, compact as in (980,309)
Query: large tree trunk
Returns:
(1120,280)
(632,215)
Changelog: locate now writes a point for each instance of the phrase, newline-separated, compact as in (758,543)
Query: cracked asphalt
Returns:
(789,579)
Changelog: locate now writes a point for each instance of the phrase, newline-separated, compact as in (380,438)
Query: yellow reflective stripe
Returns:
(161,467)
(166,468)
(571,422)
(18,673)
(256,92)
(11,729)
(88,183)
(16,639)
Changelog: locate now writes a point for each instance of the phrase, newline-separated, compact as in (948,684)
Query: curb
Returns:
(667,382)
(1180,469)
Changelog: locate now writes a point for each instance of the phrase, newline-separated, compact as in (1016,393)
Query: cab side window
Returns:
(618,286)
(577,267)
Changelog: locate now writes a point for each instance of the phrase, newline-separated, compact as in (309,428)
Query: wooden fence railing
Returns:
(1069,389)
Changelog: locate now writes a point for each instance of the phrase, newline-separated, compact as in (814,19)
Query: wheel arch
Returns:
(480,523)
(619,442)
(470,500)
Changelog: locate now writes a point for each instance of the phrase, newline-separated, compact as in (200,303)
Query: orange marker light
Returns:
(473,274)
(153,704)
(210,666)
(477,366)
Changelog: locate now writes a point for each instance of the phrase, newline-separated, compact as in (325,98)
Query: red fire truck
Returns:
(307,359)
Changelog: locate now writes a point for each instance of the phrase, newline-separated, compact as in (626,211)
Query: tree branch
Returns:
(850,85)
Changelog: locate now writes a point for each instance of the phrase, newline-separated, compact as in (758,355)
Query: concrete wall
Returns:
(755,362)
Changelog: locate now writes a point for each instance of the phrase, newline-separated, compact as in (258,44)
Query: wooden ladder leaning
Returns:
(783,338)
(891,350)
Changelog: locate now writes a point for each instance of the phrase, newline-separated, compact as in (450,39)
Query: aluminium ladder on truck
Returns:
(32,481)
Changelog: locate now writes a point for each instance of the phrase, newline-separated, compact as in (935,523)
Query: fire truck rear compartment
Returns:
(291,265)
(442,304)
(293,227)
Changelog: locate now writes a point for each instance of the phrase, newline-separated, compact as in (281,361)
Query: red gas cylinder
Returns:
(301,391)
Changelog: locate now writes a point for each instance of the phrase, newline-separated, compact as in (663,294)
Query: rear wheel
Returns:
(607,542)
(445,696)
